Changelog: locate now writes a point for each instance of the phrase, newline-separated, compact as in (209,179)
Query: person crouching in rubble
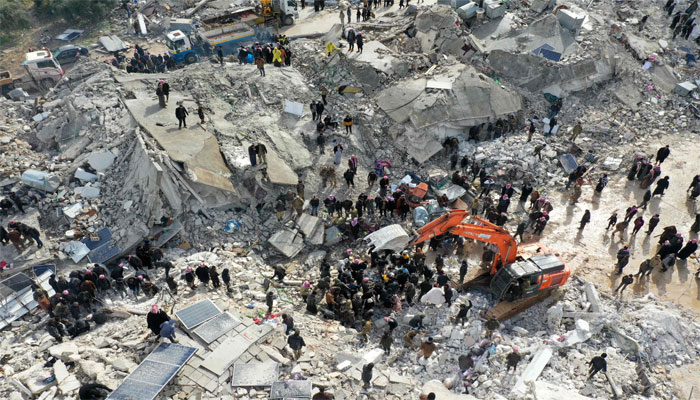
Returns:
(155,318)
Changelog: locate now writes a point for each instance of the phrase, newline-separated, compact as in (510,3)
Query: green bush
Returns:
(13,15)
(76,11)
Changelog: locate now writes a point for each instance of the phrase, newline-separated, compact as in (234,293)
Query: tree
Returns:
(13,15)
(76,11)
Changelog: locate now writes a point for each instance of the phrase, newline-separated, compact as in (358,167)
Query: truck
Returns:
(188,42)
(42,73)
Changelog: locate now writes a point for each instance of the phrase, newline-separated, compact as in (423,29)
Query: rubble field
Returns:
(99,167)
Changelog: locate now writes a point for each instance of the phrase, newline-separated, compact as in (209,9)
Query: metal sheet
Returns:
(216,327)
(104,234)
(568,162)
(112,43)
(291,390)
(197,313)
(255,374)
(17,282)
(40,269)
(156,371)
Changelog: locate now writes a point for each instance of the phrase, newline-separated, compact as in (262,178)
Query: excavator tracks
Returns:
(506,309)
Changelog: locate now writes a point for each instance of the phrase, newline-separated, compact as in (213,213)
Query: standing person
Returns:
(623,257)
(200,113)
(214,276)
(463,269)
(585,219)
(220,53)
(252,154)
(324,93)
(342,17)
(612,221)
(319,110)
(298,205)
(161,95)
(260,63)
(645,199)
(638,223)
(652,223)
(181,115)
(461,317)
(351,37)
(576,131)
(386,341)
(597,364)
(321,142)
(349,176)
(347,122)
(371,178)
(296,342)
(226,277)
(626,281)
(314,203)
(202,273)
(661,186)
(367,375)
(337,155)
(662,154)
(261,151)
(360,41)
(645,268)
(269,301)
(349,12)
(513,359)
(531,130)
(166,90)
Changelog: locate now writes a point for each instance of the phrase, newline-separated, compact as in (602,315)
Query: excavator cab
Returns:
(529,277)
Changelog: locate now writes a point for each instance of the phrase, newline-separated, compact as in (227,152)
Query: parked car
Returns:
(69,53)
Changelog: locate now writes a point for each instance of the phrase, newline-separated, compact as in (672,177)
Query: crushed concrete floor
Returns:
(425,75)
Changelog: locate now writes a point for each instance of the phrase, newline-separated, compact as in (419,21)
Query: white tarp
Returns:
(391,237)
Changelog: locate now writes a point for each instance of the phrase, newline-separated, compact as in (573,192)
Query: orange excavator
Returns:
(519,277)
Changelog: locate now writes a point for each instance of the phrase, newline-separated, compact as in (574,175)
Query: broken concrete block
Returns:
(494,8)
(101,161)
(287,242)
(547,391)
(64,350)
(372,356)
(684,88)
(570,20)
(294,108)
(85,176)
(87,192)
(541,5)
(343,365)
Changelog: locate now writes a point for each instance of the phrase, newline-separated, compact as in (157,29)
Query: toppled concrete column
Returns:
(533,370)
(592,297)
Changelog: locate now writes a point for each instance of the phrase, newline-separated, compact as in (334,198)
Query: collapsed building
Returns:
(116,160)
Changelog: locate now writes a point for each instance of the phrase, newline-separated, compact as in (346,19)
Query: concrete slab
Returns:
(533,370)
(294,108)
(443,393)
(377,55)
(226,354)
(288,242)
(255,374)
(392,237)
(312,227)
(279,172)
(196,148)
(550,391)
(101,160)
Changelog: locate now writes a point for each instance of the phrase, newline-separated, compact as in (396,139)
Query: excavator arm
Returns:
(453,223)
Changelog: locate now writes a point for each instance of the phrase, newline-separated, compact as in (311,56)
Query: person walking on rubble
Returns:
(576,131)
(585,219)
(351,39)
(220,53)
(161,95)
(200,113)
(181,115)
(269,301)
(260,63)
(626,281)
(512,360)
(623,257)
(261,151)
(597,364)
(296,342)
(360,41)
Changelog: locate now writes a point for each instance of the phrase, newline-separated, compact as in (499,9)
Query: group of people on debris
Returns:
(18,234)
(683,21)
(143,62)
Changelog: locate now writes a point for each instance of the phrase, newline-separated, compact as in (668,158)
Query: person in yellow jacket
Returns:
(330,47)
(277,57)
